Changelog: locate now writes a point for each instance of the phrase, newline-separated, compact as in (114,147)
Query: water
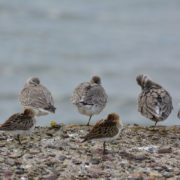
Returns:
(66,42)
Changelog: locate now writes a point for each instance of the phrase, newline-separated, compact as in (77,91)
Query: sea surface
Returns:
(65,42)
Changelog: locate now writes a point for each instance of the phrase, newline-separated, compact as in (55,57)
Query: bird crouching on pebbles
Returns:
(154,102)
(36,96)
(105,130)
(90,97)
(20,123)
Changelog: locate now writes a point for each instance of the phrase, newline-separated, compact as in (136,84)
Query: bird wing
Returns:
(94,94)
(17,122)
(101,130)
(36,96)
(157,104)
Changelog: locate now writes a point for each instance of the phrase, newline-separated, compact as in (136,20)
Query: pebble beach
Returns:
(57,152)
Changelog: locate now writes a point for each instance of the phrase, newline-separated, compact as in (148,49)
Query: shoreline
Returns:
(57,153)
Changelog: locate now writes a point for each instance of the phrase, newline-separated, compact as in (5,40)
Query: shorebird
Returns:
(20,123)
(36,96)
(154,102)
(90,97)
(105,130)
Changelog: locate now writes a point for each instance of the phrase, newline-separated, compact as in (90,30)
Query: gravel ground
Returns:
(57,153)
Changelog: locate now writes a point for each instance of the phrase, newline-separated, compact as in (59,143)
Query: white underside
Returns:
(109,139)
(89,109)
(22,132)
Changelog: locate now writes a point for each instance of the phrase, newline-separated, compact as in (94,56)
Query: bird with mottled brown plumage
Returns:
(36,96)
(20,123)
(106,129)
(154,102)
(90,97)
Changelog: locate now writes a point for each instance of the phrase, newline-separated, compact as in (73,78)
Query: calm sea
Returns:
(66,42)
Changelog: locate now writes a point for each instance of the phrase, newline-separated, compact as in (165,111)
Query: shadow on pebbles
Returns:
(57,153)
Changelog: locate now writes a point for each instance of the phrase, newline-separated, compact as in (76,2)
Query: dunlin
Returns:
(154,102)
(90,97)
(36,96)
(20,123)
(105,130)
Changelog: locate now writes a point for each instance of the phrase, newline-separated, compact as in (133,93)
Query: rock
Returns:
(168,175)
(94,161)
(140,157)
(33,151)
(77,162)
(62,158)
(51,147)
(52,177)
(165,150)
(64,136)
(10,161)
(155,175)
(20,171)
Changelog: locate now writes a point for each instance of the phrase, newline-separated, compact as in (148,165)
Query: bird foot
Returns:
(153,128)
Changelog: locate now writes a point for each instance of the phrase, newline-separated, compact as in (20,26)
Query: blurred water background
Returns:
(66,42)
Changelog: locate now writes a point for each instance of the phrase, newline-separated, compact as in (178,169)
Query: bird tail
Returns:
(84,139)
(50,108)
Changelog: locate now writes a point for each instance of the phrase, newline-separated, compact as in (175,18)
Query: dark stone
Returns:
(20,171)
(62,158)
(94,161)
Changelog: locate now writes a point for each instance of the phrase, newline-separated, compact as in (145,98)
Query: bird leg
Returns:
(104,148)
(155,125)
(18,138)
(153,128)
(89,120)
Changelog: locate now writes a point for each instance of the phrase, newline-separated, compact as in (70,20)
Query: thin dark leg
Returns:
(155,124)
(89,120)
(104,147)
(18,138)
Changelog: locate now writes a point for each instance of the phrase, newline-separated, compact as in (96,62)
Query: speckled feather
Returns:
(37,96)
(89,93)
(154,102)
(105,128)
(19,121)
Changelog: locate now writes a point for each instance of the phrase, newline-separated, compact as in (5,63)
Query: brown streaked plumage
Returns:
(105,129)
(90,97)
(20,123)
(154,102)
(36,96)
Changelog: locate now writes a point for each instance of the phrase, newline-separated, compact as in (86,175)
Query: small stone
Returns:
(52,177)
(64,136)
(155,175)
(167,175)
(33,151)
(51,147)
(20,171)
(94,161)
(49,134)
(10,161)
(62,158)
(140,157)
(165,150)
(77,162)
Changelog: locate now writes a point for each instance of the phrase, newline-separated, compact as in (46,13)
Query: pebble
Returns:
(94,161)
(41,159)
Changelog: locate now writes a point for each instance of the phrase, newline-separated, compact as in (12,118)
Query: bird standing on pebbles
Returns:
(154,102)
(90,97)
(20,123)
(105,130)
(36,96)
